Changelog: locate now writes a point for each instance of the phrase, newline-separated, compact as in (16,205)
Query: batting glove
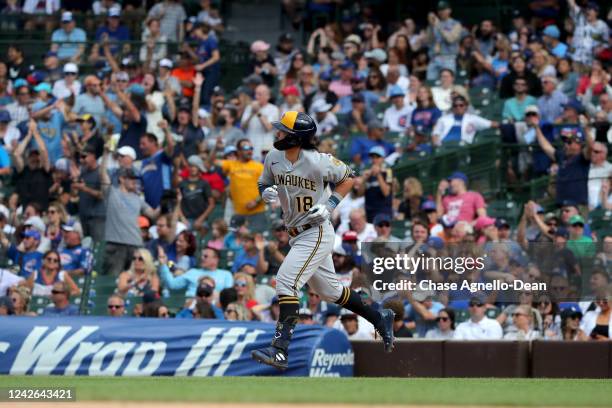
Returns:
(270,195)
(318,214)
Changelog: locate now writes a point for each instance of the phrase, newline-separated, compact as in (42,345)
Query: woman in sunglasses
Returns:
(236,311)
(570,326)
(551,319)
(56,216)
(141,276)
(522,319)
(42,280)
(446,326)
(245,289)
(20,298)
(597,324)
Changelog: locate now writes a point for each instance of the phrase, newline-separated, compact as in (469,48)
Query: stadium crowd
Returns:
(123,157)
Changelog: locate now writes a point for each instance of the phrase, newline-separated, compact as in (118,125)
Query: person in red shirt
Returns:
(459,204)
(185,73)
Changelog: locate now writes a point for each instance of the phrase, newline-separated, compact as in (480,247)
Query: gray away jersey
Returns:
(302,184)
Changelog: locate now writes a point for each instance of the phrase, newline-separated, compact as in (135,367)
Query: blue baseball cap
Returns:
(458,175)
(574,104)
(380,218)
(229,150)
(19,82)
(5,116)
(396,90)
(428,205)
(378,151)
(32,233)
(43,86)
(347,65)
(325,76)
(136,89)
(435,242)
(552,31)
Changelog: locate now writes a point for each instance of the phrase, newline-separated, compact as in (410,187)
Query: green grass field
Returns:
(420,391)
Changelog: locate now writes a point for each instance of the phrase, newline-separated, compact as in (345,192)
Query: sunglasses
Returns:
(476,304)
(442,319)
(313,295)
(598,151)
(138,258)
(383,224)
(69,73)
(241,284)
(57,292)
(52,212)
(568,141)
(458,105)
(115,306)
(54,260)
(531,114)
(246,148)
(545,302)
(231,311)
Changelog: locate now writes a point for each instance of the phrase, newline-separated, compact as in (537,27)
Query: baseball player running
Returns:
(296,174)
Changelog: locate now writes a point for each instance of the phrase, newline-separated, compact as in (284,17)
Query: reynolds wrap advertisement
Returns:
(106,346)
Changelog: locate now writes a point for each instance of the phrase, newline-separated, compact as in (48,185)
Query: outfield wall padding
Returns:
(505,359)
(571,359)
(409,359)
(508,359)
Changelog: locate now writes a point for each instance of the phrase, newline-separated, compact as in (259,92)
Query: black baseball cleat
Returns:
(385,329)
(271,356)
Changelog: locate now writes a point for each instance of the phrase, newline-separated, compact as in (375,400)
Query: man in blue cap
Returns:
(8,134)
(50,121)
(572,162)
(323,92)
(397,116)
(360,148)
(25,254)
(20,109)
(455,201)
(377,183)
(551,35)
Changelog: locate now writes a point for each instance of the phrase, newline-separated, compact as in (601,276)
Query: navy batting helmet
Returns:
(300,130)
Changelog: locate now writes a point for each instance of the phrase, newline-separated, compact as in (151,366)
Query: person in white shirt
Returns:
(394,77)
(459,126)
(397,116)
(257,121)
(523,321)
(355,327)
(8,134)
(600,170)
(445,329)
(358,223)
(325,119)
(442,93)
(69,85)
(479,326)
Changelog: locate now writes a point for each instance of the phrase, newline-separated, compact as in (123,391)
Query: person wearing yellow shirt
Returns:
(243,175)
